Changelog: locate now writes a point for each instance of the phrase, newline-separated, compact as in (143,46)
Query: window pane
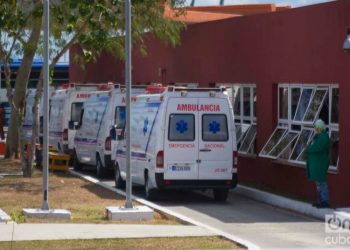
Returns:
(246,102)
(77,107)
(303,104)
(254,102)
(324,113)
(276,136)
(181,127)
(239,133)
(237,100)
(120,116)
(295,100)
(248,139)
(301,143)
(302,156)
(283,144)
(283,103)
(214,128)
(334,148)
(335,106)
(315,105)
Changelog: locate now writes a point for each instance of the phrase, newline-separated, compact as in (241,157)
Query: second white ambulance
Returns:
(95,138)
(181,138)
(66,104)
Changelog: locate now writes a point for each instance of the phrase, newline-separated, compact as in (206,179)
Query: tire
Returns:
(76,164)
(119,182)
(220,194)
(100,170)
(150,193)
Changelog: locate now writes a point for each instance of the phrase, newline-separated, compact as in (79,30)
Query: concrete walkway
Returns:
(290,204)
(20,232)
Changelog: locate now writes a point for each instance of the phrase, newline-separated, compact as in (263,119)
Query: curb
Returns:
(183,218)
(4,217)
(290,204)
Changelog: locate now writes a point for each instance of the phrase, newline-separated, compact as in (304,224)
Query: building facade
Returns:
(284,69)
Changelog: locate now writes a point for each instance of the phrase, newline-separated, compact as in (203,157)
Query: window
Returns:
(181,127)
(76,111)
(299,106)
(243,99)
(120,117)
(214,128)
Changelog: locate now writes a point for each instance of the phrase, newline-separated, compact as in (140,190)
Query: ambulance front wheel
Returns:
(220,194)
(76,164)
(150,192)
(100,170)
(119,182)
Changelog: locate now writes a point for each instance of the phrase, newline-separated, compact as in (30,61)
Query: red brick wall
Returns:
(302,45)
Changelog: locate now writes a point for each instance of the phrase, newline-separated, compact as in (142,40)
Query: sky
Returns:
(293,3)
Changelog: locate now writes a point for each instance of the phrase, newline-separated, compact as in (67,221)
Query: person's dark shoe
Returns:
(324,205)
(316,204)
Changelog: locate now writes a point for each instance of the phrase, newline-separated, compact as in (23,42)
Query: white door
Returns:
(181,140)
(215,142)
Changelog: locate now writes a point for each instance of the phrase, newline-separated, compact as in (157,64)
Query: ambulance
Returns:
(95,138)
(181,138)
(66,105)
(6,105)
(28,116)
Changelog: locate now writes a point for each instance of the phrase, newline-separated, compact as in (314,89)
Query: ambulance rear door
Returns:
(215,142)
(181,139)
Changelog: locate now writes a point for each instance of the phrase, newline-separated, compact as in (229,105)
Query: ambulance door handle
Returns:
(205,150)
(199,161)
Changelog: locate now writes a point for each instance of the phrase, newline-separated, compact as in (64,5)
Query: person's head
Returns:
(319,126)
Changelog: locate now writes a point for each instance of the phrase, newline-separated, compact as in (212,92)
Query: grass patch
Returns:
(116,244)
(86,201)
(9,166)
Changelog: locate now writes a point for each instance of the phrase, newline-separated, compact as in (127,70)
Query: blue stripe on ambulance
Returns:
(82,140)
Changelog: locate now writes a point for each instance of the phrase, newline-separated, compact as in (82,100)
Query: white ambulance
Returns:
(95,139)
(181,138)
(28,115)
(66,106)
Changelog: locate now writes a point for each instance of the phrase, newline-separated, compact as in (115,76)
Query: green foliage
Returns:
(17,216)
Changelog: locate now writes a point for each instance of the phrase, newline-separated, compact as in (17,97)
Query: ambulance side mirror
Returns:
(121,133)
(72,125)
(113,133)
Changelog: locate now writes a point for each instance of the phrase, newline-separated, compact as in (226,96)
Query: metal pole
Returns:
(128,80)
(45,205)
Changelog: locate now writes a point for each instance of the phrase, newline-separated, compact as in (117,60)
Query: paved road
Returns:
(263,225)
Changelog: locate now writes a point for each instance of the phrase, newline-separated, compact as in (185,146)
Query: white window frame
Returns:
(243,124)
(291,121)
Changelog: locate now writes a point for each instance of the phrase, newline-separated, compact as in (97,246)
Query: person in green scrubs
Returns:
(317,163)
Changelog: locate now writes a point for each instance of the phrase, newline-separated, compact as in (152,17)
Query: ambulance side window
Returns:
(76,111)
(181,127)
(119,118)
(214,127)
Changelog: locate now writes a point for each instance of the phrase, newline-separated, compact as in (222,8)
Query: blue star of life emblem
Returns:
(214,127)
(181,126)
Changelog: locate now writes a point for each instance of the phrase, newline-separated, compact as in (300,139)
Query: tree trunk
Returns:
(20,93)
(38,94)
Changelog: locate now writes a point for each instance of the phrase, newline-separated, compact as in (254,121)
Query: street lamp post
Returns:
(128,82)
(45,203)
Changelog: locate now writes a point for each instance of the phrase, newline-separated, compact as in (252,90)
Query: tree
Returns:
(20,32)
(98,25)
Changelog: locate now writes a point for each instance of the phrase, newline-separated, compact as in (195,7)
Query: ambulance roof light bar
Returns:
(177,89)
(155,89)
